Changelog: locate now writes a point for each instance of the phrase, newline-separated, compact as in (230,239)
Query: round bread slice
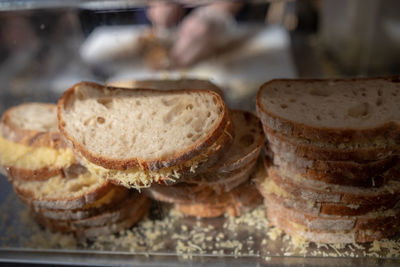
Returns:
(247,144)
(326,151)
(133,209)
(367,174)
(31,147)
(78,189)
(267,186)
(342,237)
(236,202)
(169,84)
(142,136)
(323,192)
(357,111)
(110,200)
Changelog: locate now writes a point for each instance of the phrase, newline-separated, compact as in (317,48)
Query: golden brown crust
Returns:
(386,131)
(41,174)
(153,164)
(27,137)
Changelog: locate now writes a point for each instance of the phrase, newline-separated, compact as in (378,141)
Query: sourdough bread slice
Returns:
(169,84)
(236,202)
(142,132)
(323,192)
(247,143)
(113,221)
(369,221)
(77,190)
(30,144)
(333,111)
(109,201)
(367,174)
(342,237)
(268,188)
(325,151)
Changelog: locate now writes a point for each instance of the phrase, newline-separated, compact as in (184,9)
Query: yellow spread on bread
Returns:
(27,157)
(107,198)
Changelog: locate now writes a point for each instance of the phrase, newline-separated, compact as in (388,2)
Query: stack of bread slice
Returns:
(224,187)
(62,195)
(158,139)
(332,160)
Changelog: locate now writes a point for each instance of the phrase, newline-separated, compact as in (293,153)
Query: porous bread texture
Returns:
(247,143)
(335,111)
(138,178)
(148,128)
(326,151)
(32,124)
(169,84)
(78,189)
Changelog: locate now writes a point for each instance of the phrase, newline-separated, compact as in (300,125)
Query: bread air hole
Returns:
(168,102)
(284,106)
(106,102)
(189,135)
(359,111)
(189,107)
(138,103)
(100,120)
(319,92)
(379,102)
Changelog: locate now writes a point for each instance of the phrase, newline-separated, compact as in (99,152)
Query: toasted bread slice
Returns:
(169,84)
(78,189)
(342,237)
(367,174)
(30,144)
(356,111)
(165,132)
(236,202)
(325,151)
(122,217)
(110,200)
(323,192)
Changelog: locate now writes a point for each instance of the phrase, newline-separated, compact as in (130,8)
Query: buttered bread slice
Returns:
(31,147)
(137,137)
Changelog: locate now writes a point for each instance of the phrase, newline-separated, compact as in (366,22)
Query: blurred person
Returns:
(198,30)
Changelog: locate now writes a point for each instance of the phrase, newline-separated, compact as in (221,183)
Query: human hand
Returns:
(164,15)
(198,35)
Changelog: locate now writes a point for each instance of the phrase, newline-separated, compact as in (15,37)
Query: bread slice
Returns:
(367,174)
(369,221)
(169,84)
(342,237)
(110,200)
(112,221)
(142,136)
(247,144)
(356,111)
(236,202)
(30,144)
(322,192)
(325,151)
(201,188)
(78,189)
(269,188)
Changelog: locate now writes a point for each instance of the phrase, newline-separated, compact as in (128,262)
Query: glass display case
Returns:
(47,46)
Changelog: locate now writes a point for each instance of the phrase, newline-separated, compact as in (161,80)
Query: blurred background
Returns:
(47,46)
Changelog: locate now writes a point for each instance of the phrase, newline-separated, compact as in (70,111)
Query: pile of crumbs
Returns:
(249,235)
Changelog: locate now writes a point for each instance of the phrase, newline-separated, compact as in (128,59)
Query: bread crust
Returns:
(369,174)
(41,174)
(150,164)
(34,138)
(343,194)
(278,142)
(119,196)
(386,131)
(66,203)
